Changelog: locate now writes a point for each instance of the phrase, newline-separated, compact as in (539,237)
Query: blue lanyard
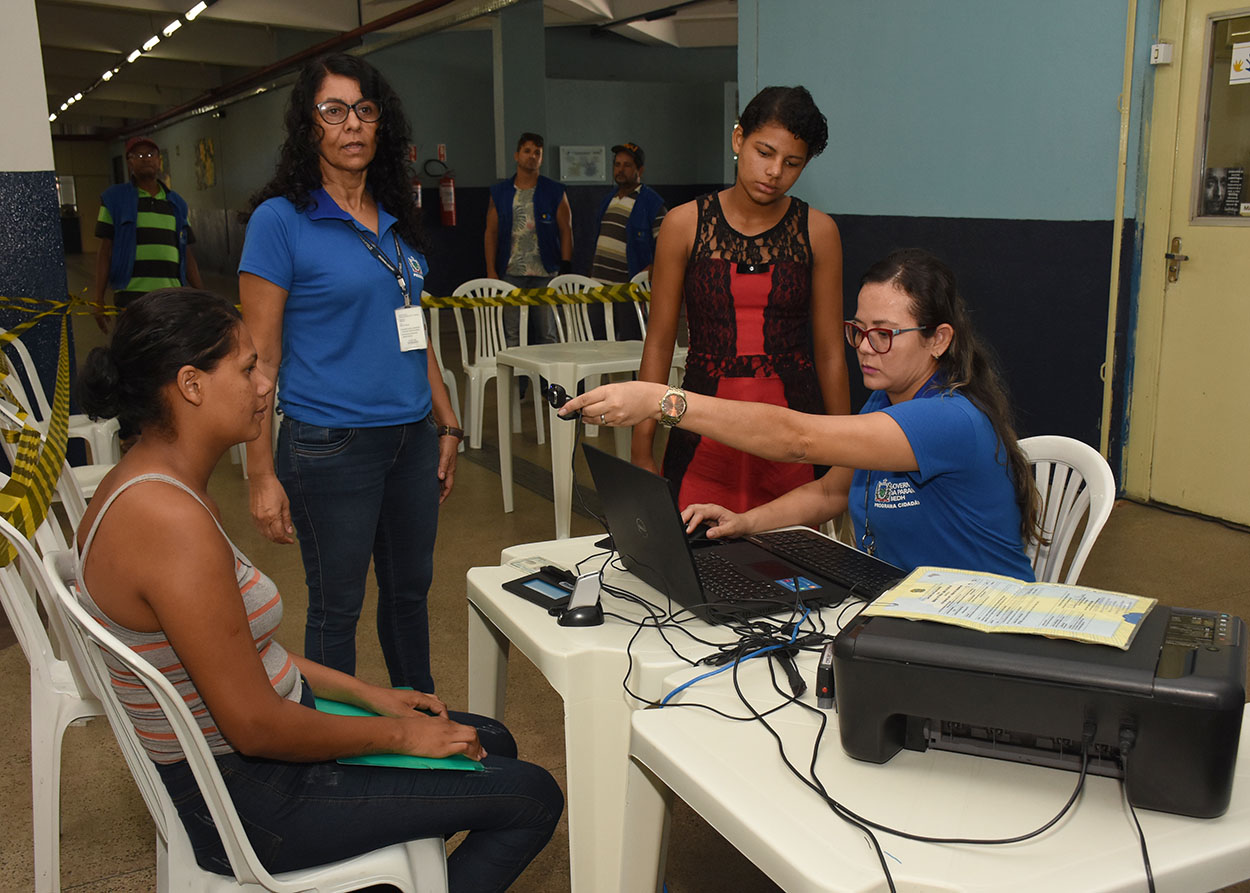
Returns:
(396,271)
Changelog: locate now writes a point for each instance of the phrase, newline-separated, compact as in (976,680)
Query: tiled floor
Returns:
(107,836)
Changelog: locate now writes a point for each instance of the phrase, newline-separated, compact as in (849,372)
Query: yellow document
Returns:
(995,604)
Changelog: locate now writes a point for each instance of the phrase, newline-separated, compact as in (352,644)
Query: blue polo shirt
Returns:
(341,362)
(959,508)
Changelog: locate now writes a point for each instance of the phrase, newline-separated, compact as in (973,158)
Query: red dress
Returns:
(749,309)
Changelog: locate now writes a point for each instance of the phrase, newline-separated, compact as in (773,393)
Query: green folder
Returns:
(398,760)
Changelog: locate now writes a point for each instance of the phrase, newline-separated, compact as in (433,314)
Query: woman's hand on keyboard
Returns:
(722,522)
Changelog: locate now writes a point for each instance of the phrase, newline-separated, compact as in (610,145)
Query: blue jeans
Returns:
(357,493)
(542,327)
(302,814)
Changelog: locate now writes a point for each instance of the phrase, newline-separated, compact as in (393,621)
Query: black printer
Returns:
(1169,708)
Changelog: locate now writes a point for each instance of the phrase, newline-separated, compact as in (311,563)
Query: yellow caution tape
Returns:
(521,297)
(38,460)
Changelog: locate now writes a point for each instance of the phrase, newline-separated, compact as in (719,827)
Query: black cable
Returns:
(1128,738)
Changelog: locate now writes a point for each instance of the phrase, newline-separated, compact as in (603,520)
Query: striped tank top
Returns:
(264,612)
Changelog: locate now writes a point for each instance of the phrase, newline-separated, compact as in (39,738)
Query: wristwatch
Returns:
(672,407)
(445,430)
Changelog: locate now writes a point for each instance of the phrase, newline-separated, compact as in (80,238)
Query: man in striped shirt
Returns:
(145,241)
(629,221)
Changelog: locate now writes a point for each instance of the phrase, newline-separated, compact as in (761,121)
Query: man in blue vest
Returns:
(145,240)
(629,221)
(529,236)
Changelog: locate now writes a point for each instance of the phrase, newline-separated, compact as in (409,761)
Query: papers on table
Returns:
(996,604)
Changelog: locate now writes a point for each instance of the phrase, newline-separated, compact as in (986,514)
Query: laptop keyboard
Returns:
(722,580)
(861,573)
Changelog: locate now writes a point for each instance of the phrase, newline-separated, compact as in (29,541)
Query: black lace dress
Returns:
(748,305)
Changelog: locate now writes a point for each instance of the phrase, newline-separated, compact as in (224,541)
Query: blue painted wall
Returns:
(964,108)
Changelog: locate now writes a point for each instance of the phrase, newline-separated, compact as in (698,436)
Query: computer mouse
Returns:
(699,534)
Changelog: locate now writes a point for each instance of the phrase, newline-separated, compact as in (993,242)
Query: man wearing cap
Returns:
(629,220)
(145,242)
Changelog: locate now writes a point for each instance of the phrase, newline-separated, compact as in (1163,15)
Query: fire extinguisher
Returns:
(446,191)
(447,198)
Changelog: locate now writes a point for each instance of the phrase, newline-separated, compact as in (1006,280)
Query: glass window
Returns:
(1225,152)
(65,192)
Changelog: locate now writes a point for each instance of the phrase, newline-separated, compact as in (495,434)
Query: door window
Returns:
(1224,154)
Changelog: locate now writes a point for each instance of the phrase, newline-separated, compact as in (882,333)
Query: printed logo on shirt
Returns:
(895,495)
(415,266)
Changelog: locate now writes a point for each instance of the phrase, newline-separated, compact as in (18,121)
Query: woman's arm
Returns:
(263,307)
(813,503)
(827,316)
(336,686)
(444,414)
(672,252)
(184,574)
(873,441)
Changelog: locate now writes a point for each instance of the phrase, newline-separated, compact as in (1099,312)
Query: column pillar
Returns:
(520,71)
(32,259)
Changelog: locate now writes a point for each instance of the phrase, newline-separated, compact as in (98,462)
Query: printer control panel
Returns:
(1195,629)
(1189,631)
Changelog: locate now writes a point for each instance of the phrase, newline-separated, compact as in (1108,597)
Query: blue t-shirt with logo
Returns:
(341,362)
(959,509)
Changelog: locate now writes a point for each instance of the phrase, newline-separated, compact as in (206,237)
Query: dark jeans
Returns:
(358,493)
(542,326)
(302,814)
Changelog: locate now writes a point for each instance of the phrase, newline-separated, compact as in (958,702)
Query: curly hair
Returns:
(299,167)
(794,109)
(968,365)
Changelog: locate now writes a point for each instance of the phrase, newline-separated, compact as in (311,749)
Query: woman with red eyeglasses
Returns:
(938,476)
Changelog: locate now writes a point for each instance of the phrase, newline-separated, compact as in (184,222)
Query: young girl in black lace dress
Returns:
(761,274)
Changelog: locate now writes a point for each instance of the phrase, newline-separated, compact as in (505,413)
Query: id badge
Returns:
(410,322)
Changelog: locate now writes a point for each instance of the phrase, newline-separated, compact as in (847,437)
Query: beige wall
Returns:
(89,163)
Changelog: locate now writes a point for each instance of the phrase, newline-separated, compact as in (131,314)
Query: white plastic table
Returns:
(567,365)
(741,787)
(586,667)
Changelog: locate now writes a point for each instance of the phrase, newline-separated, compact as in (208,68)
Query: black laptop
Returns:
(760,574)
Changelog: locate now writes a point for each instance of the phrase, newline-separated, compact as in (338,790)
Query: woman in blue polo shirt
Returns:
(330,281)
(939,478)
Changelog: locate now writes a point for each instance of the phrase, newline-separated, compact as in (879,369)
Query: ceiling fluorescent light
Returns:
(64,106)
(70,101)
(172,27)
(77,96)
(134,55)
(107,76)
(151,42)
(195,11)
(51,117)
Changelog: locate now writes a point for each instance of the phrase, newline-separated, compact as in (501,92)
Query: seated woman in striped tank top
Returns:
(157,569)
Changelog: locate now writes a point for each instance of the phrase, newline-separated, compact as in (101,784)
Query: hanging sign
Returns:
(1239,73)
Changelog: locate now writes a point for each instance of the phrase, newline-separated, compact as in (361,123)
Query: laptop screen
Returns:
(646,525)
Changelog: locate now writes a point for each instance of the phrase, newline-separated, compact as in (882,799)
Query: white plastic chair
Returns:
(418,866)
(85,478)
(573,319)
(1075,483)
(101,437)
(479,366)
(643,279)
(678,367)
(449,377)
(59,698)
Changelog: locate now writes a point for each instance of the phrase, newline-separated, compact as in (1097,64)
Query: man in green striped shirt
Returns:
(145,240)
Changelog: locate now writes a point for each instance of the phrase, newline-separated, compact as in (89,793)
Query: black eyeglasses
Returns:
(335,111)
(879,339)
